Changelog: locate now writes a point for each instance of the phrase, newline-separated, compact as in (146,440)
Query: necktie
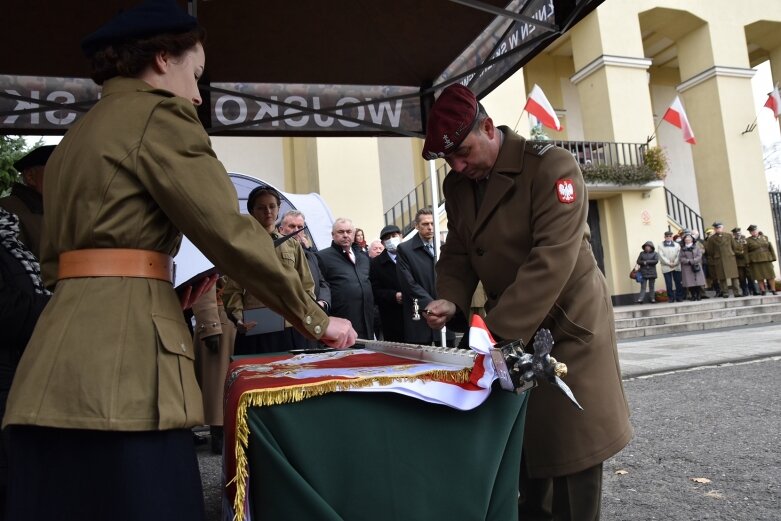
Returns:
(350,255)
(430,249)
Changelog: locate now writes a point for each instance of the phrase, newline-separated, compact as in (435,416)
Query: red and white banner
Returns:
(774,102)
(538,106)
(677,116)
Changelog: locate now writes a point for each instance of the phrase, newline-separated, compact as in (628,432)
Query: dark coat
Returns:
(27,204)
(648,261)
(721,249)
(351,290)
(529,245)
(385,285)
(322,288)
(20,305)
(418,281)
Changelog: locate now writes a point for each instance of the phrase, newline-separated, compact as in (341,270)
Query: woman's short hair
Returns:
(131,57)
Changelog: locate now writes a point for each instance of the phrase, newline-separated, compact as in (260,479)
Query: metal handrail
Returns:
(402,214)
(681,213)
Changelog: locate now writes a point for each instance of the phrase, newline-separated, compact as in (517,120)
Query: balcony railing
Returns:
(402,214)
(604,152)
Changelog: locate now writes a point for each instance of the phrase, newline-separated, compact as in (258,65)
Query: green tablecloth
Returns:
(383,456)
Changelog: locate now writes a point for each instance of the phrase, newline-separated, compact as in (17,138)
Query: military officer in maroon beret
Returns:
(517,223)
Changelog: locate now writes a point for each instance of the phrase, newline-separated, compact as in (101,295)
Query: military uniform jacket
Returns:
(529,245)
(721,250)
(760,249)
(114,353)
(291,256)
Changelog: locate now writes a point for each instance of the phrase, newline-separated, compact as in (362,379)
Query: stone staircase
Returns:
(664,318)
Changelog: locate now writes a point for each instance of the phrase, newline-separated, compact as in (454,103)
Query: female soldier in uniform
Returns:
(105,394)
(761,255)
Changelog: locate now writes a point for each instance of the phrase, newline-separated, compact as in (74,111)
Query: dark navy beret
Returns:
(37,157)
(147,19)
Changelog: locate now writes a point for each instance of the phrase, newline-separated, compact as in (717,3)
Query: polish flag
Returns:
(538,106)
(774,102)
(677,116)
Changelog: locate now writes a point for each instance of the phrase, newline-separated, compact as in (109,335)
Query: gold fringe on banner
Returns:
(293,394)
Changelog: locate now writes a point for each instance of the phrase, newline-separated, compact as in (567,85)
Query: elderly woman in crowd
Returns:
(100,410)
(647,260)
(692,273)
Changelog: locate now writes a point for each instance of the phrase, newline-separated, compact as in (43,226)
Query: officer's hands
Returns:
(339,333)
(438,313)
(212,343)
(193,293)
(243,327)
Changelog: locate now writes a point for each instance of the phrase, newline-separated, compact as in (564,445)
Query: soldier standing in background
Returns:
(744,266)
(721,250)
(761,256)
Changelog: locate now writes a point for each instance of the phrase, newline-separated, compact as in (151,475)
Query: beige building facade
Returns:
(610,79)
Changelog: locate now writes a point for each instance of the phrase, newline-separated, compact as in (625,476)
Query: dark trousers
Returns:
(673,293)
(575,497)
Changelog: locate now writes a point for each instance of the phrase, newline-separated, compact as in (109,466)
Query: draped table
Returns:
(297,449)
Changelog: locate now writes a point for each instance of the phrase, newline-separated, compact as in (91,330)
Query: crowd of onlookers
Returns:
(692,265)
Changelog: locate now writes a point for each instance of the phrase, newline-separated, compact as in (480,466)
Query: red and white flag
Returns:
(538,106)
(677,116)
(774,102)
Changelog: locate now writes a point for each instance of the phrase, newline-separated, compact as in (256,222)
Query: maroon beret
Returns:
(450,121)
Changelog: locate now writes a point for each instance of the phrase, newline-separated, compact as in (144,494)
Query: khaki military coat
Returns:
(761,255)
(291,256)
(114,353)
(212,367)
(720,250)
(529,245)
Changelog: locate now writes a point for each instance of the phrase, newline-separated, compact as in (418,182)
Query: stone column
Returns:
(716,93)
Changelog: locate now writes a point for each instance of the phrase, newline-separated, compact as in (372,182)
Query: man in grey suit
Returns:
(415,264)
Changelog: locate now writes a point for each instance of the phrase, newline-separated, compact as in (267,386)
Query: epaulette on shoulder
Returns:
(538,148)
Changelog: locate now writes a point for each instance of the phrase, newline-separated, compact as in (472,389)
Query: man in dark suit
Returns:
(386,287)
(346,269)
(415,264)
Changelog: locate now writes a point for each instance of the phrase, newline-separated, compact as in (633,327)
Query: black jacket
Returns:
(351,291)
(322,288)
(648,261)
(385,285)
(418,281)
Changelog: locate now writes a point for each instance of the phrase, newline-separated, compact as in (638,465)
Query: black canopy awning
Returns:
(274,67)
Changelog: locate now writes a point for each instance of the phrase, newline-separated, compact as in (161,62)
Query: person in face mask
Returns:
(386,287)
(692,274)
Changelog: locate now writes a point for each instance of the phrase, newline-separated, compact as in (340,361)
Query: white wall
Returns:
(680,178)
(260,157)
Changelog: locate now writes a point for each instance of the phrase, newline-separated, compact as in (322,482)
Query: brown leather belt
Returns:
(116,262)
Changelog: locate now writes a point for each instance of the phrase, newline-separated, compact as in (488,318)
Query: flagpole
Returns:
(751,127)
(515,128)
(653,135)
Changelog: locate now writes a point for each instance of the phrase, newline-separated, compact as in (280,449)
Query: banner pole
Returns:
(435,210)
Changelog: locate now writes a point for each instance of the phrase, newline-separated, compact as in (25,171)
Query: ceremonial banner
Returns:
(273,380)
